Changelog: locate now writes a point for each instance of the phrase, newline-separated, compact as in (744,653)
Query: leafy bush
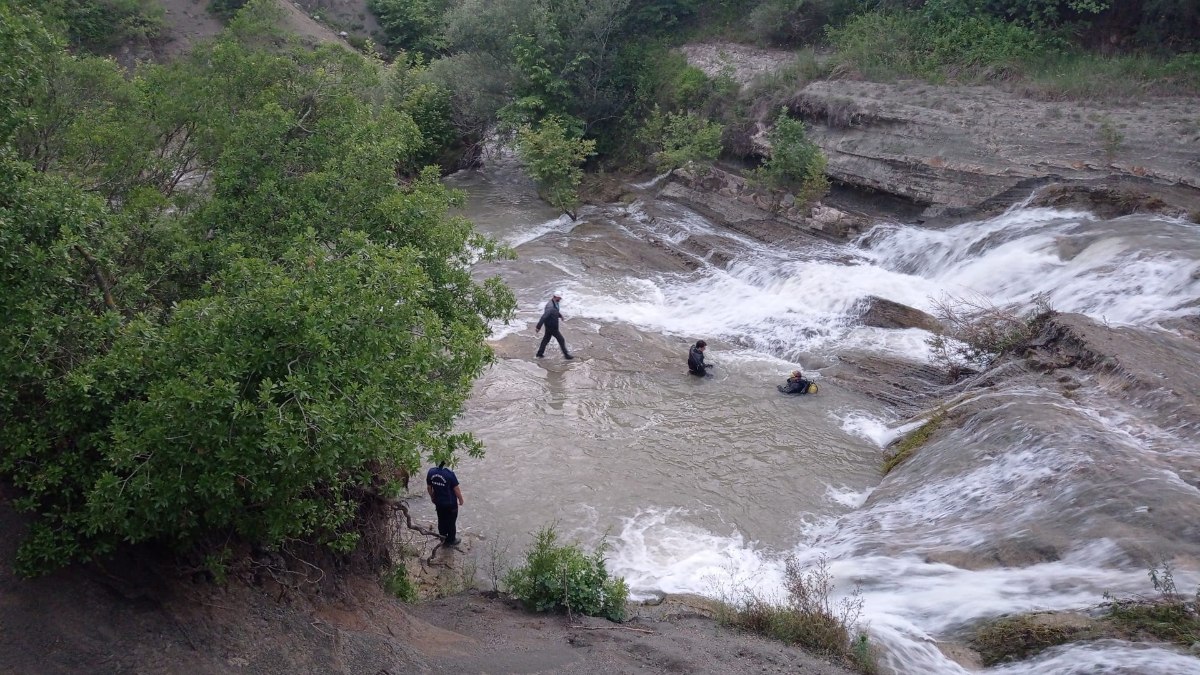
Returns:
(681,139)
(554,159)
(101,25)
(796,163)
(562,576)
(398,583)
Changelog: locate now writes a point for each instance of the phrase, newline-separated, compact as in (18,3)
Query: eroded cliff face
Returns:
(970,147)
(965,146)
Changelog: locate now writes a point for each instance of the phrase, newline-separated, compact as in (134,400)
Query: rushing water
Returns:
(1039,502)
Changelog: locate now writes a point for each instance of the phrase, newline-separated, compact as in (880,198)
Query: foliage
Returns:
(223,315)
(411,25)
(913,441)
(562,576)
(797,22)
(1171,616)
(398,583)
(977,332)
(225,8)
(554,159)
(796,163)
(681,139)
(102,25)
(809,617)
(937,46)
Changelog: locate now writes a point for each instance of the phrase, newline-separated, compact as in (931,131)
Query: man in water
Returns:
(796,384)
(550,317)
(696,364)
(442,486)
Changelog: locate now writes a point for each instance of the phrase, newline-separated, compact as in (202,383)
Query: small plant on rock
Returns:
(796,164)
(809,617)
(562,576)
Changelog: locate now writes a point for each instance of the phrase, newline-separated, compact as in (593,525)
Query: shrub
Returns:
(398,583)
(808,617)
(977,332)
(225,8)
(795,22)
(796,164)
(101,25)
(936,46)
(682,138)
(562,576)
(411,25)
(554,158)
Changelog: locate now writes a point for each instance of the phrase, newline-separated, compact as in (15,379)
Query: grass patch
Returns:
(1014,638)
(1170,617)
(1083,76)
(808,618)
(939,47)
(910,443)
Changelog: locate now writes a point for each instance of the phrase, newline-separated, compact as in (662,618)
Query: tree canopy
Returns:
(235,305)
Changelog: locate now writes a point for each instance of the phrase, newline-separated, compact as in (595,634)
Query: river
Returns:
(1038,501)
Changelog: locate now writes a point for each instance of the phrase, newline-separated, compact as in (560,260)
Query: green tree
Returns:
(411,25)
(796,163)
(554,159)
(261,354)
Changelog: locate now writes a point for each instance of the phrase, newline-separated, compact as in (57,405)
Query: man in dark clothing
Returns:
(442,486)
(796,384)
(550,317)
(696,364)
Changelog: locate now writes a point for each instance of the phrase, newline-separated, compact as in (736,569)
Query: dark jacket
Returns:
(794,385)
(696,364)
(550,317)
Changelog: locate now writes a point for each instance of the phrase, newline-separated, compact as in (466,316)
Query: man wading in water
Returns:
(696,364)
(550,317)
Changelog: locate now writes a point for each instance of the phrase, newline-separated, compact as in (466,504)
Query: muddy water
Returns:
(1034,501)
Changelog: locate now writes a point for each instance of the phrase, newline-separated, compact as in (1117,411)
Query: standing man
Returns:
(442,486)
(696,364)
(550,317)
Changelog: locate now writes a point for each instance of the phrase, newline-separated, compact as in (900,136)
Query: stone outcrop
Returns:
(728,197)
(971,147)
(883,313)
(965,146)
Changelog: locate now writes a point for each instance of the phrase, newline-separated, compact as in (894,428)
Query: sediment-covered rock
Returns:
(883,313)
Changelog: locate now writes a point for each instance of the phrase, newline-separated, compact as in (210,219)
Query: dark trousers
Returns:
(553,333)
(447,519)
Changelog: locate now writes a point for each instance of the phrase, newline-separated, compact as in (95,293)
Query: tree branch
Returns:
(102,280)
